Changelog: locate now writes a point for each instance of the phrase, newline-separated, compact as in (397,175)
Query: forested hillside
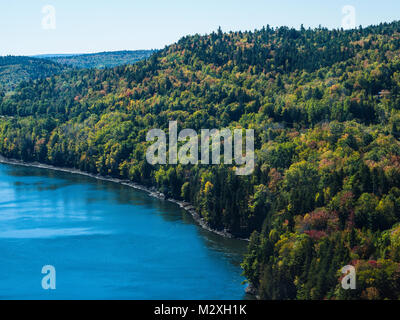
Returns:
(14,69)
(324,105)
(101,60)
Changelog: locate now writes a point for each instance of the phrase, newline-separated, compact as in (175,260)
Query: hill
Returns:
(100,60)
(14,69)
(324,105)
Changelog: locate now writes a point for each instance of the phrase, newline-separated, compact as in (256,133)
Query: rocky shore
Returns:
(151,191)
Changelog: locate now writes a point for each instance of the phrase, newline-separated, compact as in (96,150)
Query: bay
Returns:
(106,241)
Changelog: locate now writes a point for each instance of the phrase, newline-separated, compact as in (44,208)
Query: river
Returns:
(106,241)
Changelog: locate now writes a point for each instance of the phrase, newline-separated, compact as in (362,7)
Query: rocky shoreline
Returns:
(151,191)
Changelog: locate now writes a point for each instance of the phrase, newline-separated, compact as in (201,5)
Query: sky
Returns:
(30,27)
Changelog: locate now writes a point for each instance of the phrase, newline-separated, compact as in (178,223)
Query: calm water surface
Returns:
(106,241)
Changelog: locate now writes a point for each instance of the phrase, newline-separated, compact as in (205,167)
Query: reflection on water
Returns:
(107,241)
(46,233)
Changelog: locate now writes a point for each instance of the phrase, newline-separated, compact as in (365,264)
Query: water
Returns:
(106,241)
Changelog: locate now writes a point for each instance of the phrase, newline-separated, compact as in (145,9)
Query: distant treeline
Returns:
(101,60)
(16,69)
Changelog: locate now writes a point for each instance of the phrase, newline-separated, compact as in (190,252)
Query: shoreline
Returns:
(152,191)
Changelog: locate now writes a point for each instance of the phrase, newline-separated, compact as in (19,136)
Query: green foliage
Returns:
(14,70)
(101,60)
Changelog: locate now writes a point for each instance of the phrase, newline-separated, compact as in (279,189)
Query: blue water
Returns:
(106,241)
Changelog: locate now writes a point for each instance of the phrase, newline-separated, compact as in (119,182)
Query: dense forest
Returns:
(100,60)
(14,69)
(17,69)
(325,108)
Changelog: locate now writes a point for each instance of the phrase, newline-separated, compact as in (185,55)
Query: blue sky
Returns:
(106,25)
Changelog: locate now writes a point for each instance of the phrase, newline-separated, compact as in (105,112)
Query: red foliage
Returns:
(316,234)
(373,263)
(320,219)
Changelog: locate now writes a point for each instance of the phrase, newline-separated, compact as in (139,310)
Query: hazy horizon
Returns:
(88,27)
(73,53)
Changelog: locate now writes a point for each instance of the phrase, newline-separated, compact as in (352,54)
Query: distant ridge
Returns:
(98,60)
(45,56)
(15,69)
